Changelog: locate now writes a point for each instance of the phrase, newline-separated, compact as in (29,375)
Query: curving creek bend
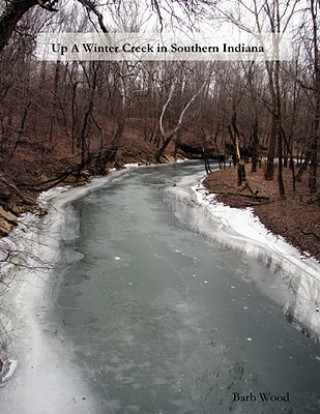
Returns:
(148,316)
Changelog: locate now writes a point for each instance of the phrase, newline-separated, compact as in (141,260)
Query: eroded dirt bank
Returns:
(297,218)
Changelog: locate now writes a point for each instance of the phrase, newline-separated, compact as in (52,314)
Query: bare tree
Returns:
(315,11)
(180,13)
(167,135)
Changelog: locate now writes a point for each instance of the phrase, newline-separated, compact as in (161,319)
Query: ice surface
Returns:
(43,382)
(241,230)
(46,380)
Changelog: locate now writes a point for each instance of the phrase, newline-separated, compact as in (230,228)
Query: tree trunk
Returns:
(279,122)
(163,147)
(241,172)
(255,144)
(234,133)
(268,175)
(316,139)
(314,167)
(55,99)
(280,159)
(291,159)
(9,18)
(84,133)
(177,144)
(304,165)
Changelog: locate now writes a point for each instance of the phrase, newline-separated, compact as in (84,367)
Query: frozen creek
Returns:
(146,298)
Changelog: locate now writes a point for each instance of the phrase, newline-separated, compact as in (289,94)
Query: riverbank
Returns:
(38,165)
(296,219)
(31,338)
(31,294)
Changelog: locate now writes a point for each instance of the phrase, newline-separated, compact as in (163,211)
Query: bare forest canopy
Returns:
(61,120)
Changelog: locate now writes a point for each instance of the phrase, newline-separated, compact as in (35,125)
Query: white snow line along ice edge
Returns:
(297,277)
(245,224)
(249,235)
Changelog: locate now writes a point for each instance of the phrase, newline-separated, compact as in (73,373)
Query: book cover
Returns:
(159,207)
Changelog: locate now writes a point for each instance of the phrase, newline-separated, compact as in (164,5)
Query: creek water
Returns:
(163,320)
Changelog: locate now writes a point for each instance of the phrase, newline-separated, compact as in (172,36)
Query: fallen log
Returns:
(251,196)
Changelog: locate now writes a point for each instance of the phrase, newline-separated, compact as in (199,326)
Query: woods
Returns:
(68,118)
(174,281)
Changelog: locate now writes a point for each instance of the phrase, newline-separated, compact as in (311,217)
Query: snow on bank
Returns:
(241,230)
(46,380)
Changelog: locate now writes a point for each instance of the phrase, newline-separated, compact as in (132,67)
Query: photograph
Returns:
(159,206)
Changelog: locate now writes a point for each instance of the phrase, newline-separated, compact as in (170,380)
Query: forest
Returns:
(64,121)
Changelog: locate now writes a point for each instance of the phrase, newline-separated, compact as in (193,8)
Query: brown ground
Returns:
(297,218)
